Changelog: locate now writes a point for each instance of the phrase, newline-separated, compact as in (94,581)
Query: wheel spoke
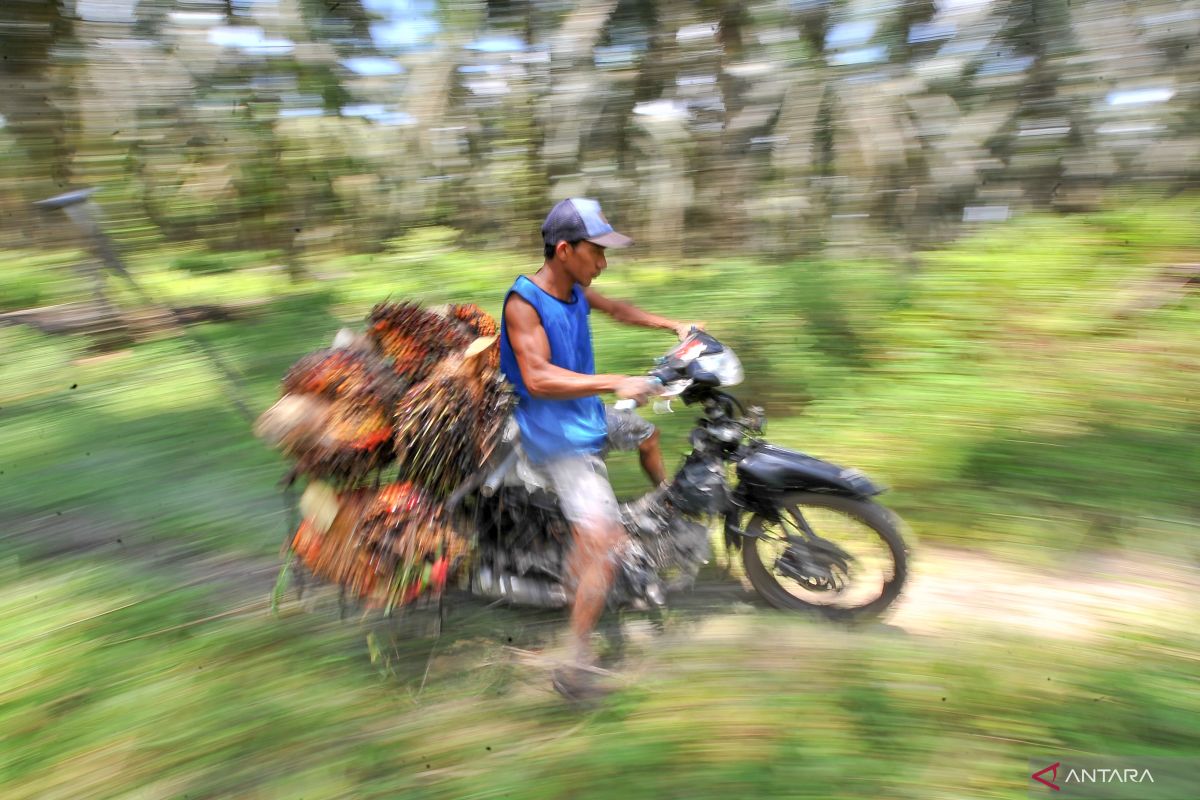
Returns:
(846,566)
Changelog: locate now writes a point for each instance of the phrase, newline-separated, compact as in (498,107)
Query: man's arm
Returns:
(628,313)
(543,379)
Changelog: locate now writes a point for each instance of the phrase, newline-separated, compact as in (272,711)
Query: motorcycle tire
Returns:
(878,519)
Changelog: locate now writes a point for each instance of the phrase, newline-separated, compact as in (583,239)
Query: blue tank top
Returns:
(551,428)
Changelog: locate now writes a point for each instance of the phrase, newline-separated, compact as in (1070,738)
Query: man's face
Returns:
(584,262)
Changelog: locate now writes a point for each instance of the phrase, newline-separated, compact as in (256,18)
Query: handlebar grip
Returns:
(630,404)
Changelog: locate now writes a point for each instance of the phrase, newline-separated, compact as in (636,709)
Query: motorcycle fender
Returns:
(772,469)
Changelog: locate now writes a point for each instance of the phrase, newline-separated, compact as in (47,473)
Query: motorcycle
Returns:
(810,533)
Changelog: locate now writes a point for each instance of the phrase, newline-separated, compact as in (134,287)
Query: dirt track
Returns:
(957,590)
(950,592)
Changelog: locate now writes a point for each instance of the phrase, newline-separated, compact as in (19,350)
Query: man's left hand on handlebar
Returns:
(684,329)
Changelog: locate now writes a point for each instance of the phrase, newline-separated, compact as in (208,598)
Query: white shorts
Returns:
(584,493)
(581,479)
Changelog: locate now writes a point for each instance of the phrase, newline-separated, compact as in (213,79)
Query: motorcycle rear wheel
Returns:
(875,540)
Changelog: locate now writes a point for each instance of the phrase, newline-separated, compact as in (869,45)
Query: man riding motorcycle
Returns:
(546,353)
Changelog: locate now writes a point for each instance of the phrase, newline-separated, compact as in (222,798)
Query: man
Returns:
(546,353)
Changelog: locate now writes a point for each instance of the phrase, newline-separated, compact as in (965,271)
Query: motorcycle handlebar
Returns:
(630,404)
(670,373)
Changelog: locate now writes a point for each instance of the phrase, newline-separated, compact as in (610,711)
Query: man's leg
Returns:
(588,503)
(592,569)
(627,431)
(650,455)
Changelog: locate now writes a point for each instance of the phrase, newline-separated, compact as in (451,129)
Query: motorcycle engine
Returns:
(699,486)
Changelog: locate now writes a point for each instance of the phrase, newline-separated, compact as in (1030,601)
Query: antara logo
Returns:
(1053,770)
(1088,776)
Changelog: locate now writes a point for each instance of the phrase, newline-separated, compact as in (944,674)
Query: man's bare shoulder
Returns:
(520,312)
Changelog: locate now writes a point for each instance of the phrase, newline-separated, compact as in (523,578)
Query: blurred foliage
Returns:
(207,263)
(794,128)
(35,278)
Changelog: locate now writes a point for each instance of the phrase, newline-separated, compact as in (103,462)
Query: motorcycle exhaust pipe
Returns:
(494,480)
(518,590)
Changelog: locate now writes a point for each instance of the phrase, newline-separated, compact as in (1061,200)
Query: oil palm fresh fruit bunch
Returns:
(415,339)
(446,425)
(419,389)
(479,323)
(335,416)
(384,546)
(345,371)
(356,442)
(475,318)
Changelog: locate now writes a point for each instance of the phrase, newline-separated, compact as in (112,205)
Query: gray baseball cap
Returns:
(579,218)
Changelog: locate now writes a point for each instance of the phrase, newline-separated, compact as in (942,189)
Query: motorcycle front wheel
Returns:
(837,556)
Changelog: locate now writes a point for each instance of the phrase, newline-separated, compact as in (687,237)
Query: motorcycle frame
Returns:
(742,498)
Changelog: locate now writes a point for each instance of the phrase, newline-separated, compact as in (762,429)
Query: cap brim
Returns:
(611,239)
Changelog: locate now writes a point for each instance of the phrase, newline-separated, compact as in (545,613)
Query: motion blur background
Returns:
(955,244)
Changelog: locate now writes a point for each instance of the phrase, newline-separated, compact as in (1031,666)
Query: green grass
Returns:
(30,278)
(111,692)
(203,262)
(148,438)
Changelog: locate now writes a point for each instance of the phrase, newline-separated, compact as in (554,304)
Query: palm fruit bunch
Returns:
(447,425)
(335,416)
(478,323)
(415,403)
(384,546)
(415,339)
(343,371)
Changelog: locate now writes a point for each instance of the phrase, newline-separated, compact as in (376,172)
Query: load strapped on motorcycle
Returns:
(384,425)
(416,475)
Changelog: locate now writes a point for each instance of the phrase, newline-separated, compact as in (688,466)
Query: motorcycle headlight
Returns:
(724,365)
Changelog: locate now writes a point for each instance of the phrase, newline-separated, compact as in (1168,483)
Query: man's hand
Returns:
(682,329)
(639,389)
